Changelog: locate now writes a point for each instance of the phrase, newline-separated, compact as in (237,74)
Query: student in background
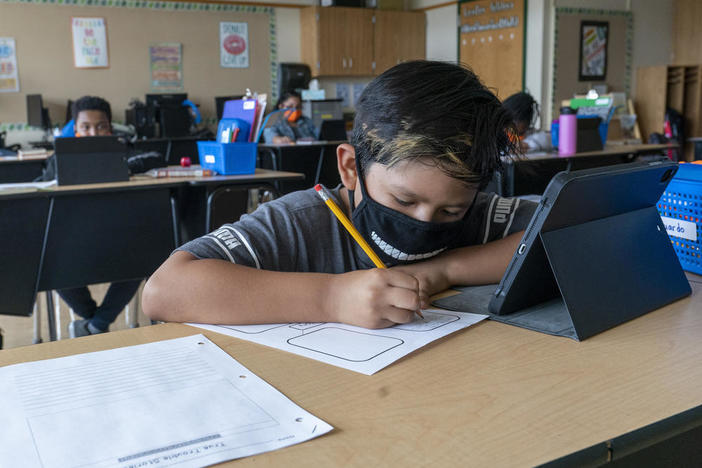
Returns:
(412,177)
(92,116)
(290,125)
(525,112)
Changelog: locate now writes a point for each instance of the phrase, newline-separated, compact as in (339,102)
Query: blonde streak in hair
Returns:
(405,147)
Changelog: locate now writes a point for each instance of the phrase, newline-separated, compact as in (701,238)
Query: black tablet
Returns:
(594,255)
(90,160)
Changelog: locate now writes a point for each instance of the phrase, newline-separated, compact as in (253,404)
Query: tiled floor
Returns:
(19,331)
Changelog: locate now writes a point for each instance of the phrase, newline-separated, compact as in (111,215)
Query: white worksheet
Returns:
(181,402)
(354,348)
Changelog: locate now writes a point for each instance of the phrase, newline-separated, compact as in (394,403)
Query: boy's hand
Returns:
(431,277)
(375,298)
(281,140)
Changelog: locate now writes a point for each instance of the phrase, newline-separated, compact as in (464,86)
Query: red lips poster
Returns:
(234,45)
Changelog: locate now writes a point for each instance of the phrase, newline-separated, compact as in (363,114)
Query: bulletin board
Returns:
(568,47)
(42,33)
(491,42)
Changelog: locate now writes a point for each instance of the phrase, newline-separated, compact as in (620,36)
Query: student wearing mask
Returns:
(291,125)
(92,116)
(412,176)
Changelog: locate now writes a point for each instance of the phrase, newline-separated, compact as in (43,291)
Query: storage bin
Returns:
(228,158)
(680,208)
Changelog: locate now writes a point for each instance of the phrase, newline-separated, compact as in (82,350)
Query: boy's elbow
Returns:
(153,299)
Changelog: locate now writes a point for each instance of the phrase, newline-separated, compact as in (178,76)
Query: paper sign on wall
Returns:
(166,66)
(9,81)
(234,45)
(89,42)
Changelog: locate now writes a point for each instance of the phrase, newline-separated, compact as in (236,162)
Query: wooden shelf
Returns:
(669,86)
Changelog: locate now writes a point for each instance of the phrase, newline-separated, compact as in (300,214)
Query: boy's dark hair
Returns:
(523,108)
(91,103)
(287,95)
(436,113)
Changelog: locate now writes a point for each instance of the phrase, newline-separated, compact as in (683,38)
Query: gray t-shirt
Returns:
(298,233)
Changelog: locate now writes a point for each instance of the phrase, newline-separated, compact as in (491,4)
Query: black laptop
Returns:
(91,160)
(594,255)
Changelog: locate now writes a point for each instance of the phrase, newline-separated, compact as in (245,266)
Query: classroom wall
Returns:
(687,40)
(442,41)
(651,44)
(45,57)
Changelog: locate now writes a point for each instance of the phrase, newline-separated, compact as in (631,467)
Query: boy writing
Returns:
(427,136)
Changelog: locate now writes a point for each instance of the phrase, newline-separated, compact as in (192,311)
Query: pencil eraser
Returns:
(318,187)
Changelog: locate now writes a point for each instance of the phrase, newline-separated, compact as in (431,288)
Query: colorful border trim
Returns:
(628,48)
(172,6)
(153,5)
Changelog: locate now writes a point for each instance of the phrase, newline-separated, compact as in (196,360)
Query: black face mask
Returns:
(396,237)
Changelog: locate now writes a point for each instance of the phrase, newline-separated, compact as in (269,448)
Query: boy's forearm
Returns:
(218,292)
(481,264)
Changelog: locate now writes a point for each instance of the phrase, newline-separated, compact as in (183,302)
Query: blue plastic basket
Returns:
(680,207)
(228,158)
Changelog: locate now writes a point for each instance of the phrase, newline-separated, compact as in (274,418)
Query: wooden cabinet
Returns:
(399,37)
(339,41)
(675,86)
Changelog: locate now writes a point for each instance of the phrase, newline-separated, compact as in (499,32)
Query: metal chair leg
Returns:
(51,318)
(57,313)
(131,310)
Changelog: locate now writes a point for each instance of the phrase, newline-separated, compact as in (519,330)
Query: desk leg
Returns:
(37,324)
(51,318)
(276,162)
(132,310)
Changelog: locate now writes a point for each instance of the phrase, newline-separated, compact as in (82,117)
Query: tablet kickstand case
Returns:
(582,276)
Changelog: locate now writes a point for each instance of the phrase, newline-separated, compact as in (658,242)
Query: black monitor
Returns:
(333,130)
(168,111)
(174,121)
(293,77)
(219,103)
(165,100)
(37,114)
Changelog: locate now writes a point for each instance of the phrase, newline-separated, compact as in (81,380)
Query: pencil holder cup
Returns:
(228,158)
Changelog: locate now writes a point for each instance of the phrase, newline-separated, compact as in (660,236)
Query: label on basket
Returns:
(680,228)
(209,158)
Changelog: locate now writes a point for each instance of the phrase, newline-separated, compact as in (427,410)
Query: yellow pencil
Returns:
(351,228)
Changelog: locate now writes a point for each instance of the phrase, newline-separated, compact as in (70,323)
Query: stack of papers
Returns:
(181,402)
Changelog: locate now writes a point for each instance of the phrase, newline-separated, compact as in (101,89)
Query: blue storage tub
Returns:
(228,158)
(680,207)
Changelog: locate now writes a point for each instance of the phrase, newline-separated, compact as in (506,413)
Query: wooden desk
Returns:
(490,395)
(67,236)
(532,173)
(14,169)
